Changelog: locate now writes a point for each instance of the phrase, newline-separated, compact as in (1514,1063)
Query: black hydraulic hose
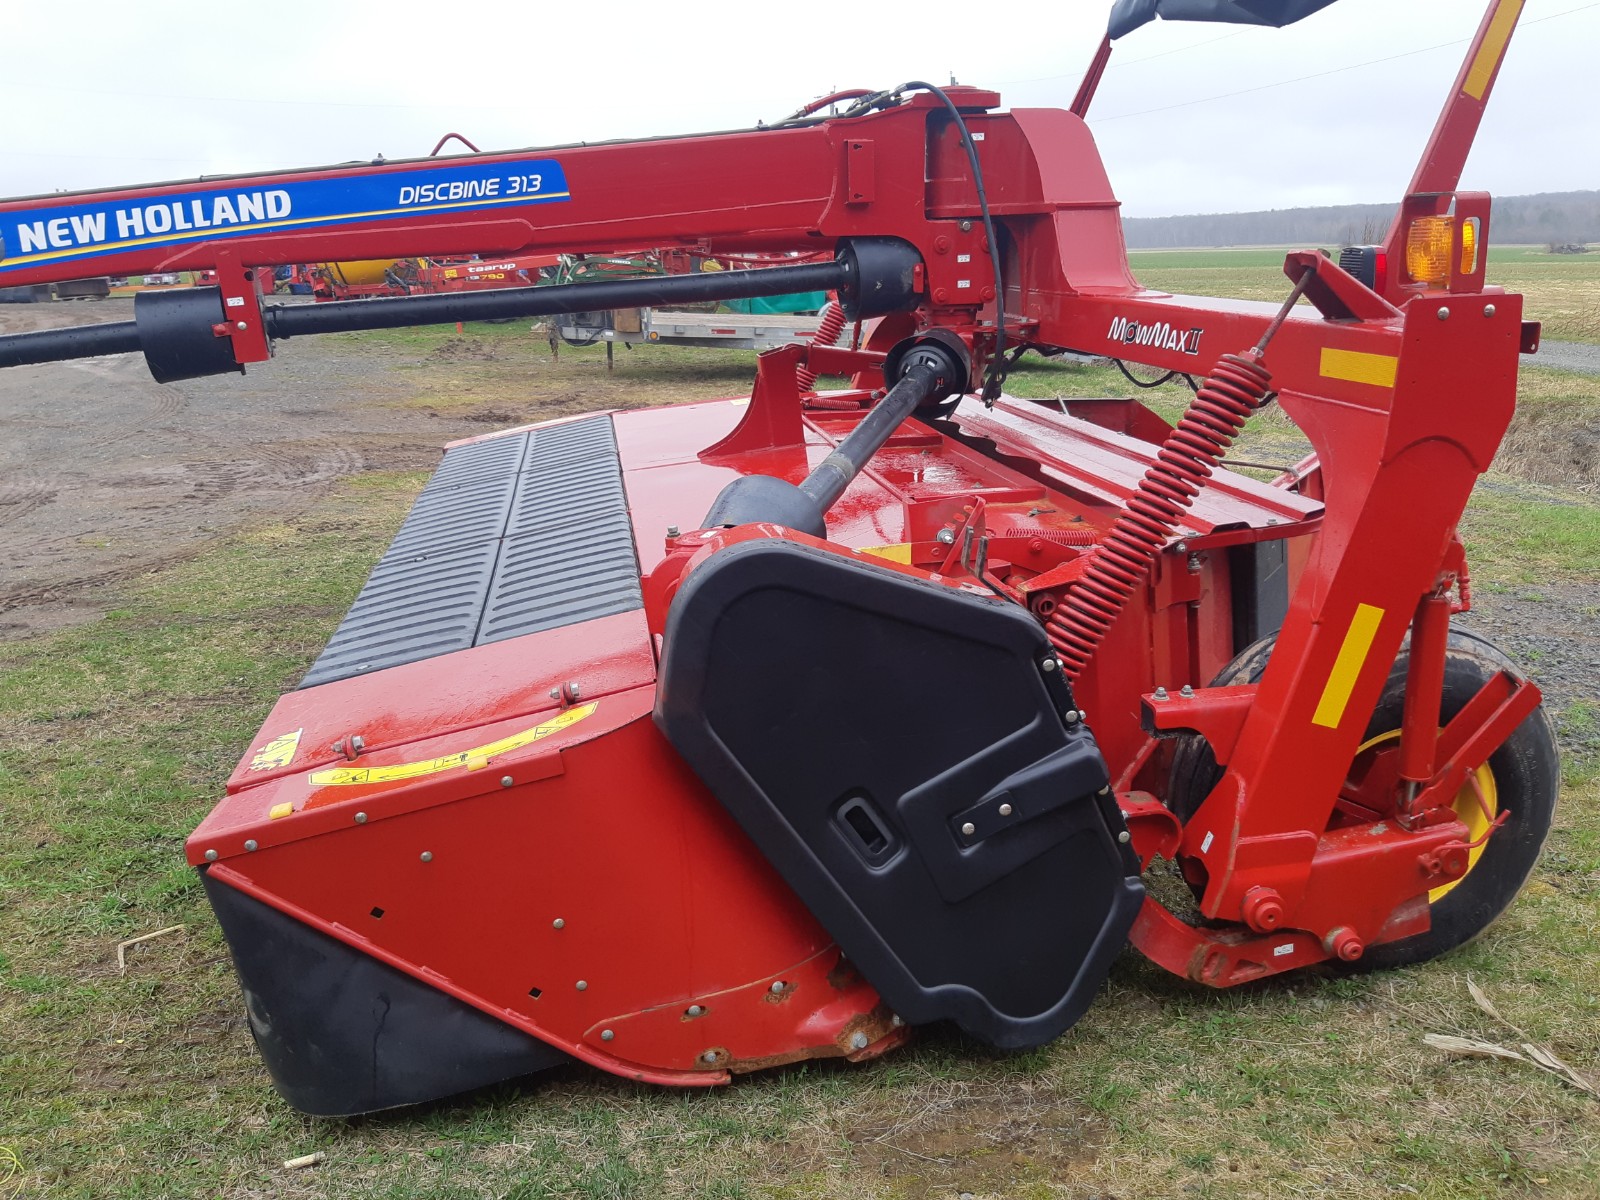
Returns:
(75,341)
(346,316)
(827,482)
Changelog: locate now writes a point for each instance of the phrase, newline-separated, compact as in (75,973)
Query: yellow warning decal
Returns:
(1342,679)
(899,552)
(1356,366)
(279,752)
(472,759)
(1494,45)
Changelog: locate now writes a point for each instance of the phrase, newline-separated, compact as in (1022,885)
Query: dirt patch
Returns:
(988,1138)
(106,474)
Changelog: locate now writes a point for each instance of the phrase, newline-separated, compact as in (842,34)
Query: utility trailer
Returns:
(722,330)
(694,741)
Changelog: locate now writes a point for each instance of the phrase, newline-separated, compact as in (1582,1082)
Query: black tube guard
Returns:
(898,751)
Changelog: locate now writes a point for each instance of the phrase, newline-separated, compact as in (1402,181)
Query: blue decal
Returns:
(34,237)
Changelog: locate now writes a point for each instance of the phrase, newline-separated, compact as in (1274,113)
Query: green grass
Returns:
(1561,290)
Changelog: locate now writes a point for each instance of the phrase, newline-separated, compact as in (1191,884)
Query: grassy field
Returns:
(1562,290)
(115,738)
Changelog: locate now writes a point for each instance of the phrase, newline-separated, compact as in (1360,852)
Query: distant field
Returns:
(1562,290)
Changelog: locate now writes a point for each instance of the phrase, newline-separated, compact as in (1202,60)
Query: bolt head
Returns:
(859,1041)
(607,1034)
(1070,716)
(361,818)
(1048,665)
(1186,691)
(777,986)
(1488,310)
(427,856)
(1124,837)
(1006,810)
(968,829)
(1444,314)
(211,856)
(710,1056)
(673,531)
(506,781)
(250,844)
(1161,693)
(583,985)
(695,1010)
(947,536)
(558,923)
(241,325)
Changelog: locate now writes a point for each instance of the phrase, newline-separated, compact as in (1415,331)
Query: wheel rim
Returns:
(1372,786)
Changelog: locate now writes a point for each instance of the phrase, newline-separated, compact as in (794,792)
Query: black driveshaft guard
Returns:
(343,1033)
(855,721)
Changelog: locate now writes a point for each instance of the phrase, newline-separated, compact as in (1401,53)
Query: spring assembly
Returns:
(830,325)
(1185,461)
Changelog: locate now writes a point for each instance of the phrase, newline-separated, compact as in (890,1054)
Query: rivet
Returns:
(1048,665)
(1124,837)
(241,325)
(777,986)
(427,856)
(1444,314)
(1070,716)
(606,1035)
(969,829)
(211,856)
(583,985)
(859,1041)
(1488,310)
(695,1010)
(1105,791)
(559,923)
(250,844)
(361,818)
(506,781)
(897,1020)
(1182,547)
(1005,810)
(710,1056)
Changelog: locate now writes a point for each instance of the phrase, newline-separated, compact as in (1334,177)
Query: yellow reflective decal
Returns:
(1355,366)
(900,552)
(279,752)
(478,756)
(1494,44)
(1342,679)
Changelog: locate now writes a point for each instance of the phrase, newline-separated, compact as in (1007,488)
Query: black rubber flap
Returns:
(896,751)
(343,1033)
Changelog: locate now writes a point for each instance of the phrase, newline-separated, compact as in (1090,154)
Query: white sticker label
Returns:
(1280,951)
(1206,844)
(961,283)
(235,301)
(977,137)
(963,258)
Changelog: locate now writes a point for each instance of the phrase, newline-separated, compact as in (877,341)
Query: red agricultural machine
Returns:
(693,741)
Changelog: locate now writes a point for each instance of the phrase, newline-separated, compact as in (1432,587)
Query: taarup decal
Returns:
(1158,337)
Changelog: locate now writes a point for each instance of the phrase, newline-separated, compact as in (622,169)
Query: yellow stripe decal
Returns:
(1342,679)
(473,759)
(1494,45)
(1356,366)
(899,552)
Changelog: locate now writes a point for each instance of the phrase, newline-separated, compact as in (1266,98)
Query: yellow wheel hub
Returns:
(1467,808)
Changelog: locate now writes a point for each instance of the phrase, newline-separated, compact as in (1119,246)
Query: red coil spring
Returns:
(1186,459)
(830,325)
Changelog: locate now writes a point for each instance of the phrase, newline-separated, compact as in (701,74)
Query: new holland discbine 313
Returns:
(693,741)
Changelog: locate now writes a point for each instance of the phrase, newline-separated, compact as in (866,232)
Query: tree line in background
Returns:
(1554,219)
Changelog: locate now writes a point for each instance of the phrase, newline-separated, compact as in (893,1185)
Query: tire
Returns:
(1522,777)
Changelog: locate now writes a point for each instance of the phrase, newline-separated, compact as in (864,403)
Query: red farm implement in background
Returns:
(687,742)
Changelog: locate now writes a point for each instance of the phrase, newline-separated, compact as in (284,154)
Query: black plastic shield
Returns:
(896,750)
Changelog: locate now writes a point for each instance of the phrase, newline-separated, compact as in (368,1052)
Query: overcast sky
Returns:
(98,93)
